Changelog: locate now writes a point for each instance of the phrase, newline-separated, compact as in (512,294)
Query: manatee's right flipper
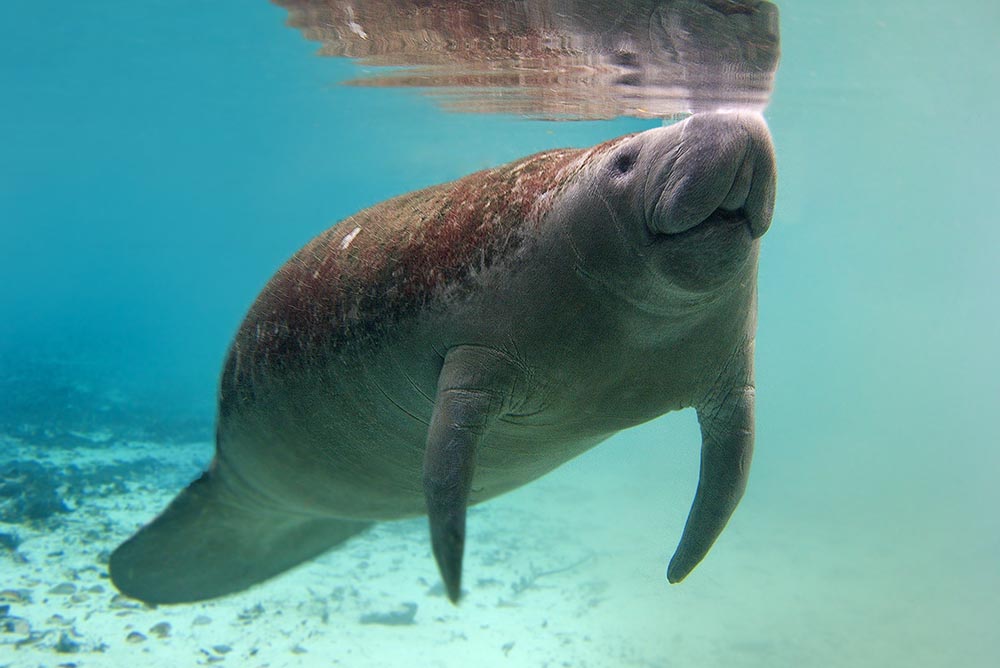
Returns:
(727,436)
(474,387)
(210,542)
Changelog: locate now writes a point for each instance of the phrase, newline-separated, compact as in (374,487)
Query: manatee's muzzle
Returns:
(751,196)
(722,172)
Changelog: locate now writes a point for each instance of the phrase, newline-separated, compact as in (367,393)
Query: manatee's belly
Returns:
(352,444)
(374,473)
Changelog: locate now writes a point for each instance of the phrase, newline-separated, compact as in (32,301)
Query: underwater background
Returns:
(160,160)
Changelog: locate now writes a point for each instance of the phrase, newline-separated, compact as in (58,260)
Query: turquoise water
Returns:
(160,160)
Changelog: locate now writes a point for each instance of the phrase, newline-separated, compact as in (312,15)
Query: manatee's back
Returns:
(347,290)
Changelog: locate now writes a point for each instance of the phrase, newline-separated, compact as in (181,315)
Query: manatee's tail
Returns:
(209,543)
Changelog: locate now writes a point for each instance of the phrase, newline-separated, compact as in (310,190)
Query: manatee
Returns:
(452,344)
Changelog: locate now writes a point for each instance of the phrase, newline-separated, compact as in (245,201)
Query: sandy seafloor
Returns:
(566,572)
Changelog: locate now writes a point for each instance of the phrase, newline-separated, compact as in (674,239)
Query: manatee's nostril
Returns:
(624,162)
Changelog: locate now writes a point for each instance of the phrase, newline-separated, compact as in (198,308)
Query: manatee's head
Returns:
(693,199)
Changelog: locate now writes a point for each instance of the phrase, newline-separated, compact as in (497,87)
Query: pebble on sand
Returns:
(161,630)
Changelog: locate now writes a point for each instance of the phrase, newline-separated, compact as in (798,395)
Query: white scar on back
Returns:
(349,238)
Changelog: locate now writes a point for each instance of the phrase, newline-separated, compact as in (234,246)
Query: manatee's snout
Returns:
(715,168)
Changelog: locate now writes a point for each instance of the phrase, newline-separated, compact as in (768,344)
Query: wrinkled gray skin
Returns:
(637,296)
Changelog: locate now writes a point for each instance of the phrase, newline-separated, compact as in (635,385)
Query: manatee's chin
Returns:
(720,218)
(710,254)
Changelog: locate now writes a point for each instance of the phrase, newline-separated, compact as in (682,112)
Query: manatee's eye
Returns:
(625,162)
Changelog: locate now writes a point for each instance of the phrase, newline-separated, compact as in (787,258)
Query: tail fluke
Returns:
(208,543)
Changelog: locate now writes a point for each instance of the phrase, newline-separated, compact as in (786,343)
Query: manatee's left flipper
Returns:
(474,388)
(727,435)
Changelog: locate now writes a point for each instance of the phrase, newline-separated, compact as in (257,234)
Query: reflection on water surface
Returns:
(557,59)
